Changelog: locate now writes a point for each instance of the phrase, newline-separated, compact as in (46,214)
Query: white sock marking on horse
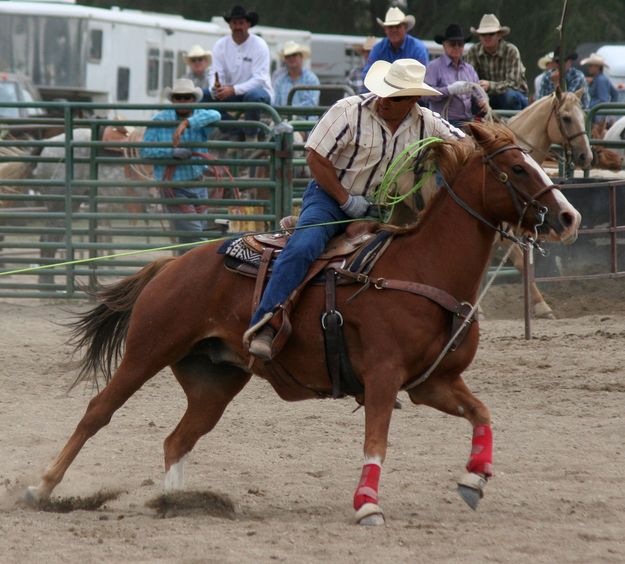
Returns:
(373,460)
(174,479)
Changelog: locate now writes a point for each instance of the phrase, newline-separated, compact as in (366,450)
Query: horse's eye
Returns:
(518,169)
(566,119)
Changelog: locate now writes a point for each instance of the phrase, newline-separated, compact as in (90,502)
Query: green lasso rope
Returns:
(385,195)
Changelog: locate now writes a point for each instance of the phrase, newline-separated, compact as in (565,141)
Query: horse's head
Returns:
(566,126)
(517,190)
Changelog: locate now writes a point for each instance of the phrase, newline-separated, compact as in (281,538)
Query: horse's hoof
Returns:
(543,311)
(370,514)
(31,496)
(471,489)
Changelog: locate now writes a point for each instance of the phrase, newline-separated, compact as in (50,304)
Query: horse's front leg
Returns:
(380,397)
(450,394)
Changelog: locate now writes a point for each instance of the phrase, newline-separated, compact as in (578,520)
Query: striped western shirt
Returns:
(504,69)
(360,144)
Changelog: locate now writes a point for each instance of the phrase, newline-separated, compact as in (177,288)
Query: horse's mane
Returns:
(450,156)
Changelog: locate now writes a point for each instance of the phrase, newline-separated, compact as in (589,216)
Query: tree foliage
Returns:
(533,22)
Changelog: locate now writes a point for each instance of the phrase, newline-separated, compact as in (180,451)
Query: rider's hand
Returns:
(355,206)
(460,87)
(181,153)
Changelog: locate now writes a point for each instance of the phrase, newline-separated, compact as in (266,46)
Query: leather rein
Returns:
(522,200)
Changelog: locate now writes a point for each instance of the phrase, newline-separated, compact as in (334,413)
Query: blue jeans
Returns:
(509,100)
(194,225)
(303,248)
(255,95)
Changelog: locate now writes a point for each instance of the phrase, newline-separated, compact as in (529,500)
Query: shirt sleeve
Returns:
(514,72)
(332,133)
(203,118)
(157,134)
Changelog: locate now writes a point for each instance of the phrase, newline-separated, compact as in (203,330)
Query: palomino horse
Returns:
(393,337)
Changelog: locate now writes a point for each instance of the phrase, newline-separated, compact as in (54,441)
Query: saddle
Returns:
(348,259)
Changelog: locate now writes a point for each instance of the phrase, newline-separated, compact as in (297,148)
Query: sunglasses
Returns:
(183,97)
(488,34)
(397,99)
(197,59)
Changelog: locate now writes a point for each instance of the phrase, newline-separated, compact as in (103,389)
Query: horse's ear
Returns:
(579,93)
(558,92)
(479,132)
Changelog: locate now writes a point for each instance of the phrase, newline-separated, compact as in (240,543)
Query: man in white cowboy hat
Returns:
(545,63)
(295,74)
(199,62)
(600,87)
(241,60)
(499,66)
(574,78)
(354,78)
(397,44)
(349,151)
(179,164)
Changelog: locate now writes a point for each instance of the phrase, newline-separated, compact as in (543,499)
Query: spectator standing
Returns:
(295,74)
(397,44)
(193,128)
(453,78)
(573,77)
(499,66)
(354,79)
(600,87)
(241,61)
(199,62)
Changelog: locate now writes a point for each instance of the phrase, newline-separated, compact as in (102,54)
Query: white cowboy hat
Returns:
(404,77)
(197,52)
(490,24)
(594,59)
(291,48)
(366,45)
(184,86)
(394,16)
(545,60)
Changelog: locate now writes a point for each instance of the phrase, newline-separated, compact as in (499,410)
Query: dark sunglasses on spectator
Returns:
(397,99)
(453,43)
(196,59)
(488,34)
(183,97)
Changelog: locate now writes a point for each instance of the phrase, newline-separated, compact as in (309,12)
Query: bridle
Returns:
(522,200)
(555,109)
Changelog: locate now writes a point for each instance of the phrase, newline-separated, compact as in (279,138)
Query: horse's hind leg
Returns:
(452,396)
(209,389)
(128,378)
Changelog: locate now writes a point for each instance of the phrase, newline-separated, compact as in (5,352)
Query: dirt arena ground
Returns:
(289,470)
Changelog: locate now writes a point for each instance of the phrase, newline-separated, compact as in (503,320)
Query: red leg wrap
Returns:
(481,459)
(367,490)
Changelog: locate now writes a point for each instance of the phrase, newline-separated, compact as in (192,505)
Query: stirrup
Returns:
(247,336)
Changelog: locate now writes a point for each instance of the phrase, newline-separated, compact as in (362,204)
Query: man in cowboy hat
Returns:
(574,78)
(193,128)
(600,87)
(349,151)
(241,61)
(199,62)
(397,44)
(454,79)
(295,74)
(545,63)
(354,78)
(499,66)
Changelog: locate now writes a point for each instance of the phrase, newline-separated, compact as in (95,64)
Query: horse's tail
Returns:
(102,330)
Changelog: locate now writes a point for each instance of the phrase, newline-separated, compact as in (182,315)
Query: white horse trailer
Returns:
(81,53)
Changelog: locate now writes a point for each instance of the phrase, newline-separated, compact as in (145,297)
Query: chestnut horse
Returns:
(190,313)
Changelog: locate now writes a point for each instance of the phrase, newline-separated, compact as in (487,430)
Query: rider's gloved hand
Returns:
(356,206)
(460,87)
(181,153)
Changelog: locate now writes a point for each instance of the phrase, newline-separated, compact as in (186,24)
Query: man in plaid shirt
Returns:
(498,64)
